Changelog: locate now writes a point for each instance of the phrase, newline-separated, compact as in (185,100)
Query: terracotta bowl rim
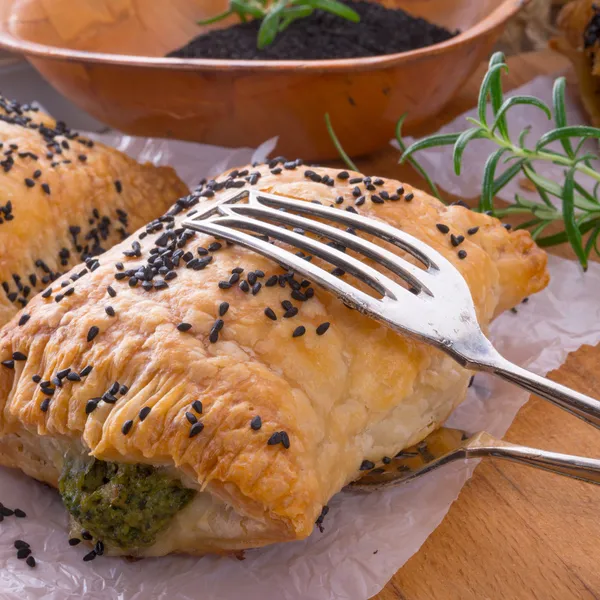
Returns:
(497,17)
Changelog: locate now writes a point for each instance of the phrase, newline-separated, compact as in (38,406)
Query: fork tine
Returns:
(421,251)
(410,273)
(378,281)
(348,293)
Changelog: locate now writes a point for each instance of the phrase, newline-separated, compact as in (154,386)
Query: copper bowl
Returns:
(107,56)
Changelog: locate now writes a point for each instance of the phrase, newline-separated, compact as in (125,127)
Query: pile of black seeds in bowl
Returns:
(322,36)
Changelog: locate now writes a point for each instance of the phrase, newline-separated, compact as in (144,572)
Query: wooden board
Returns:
(514,533)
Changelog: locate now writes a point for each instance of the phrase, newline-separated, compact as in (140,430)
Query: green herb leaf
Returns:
(519,100)
(488,81)
(461,143)
(508,175)
(560,111)
(486,202)
(571,227)
(216,18)
(434,141)
(336,8)
(336,142)
(563,133)
(269,28)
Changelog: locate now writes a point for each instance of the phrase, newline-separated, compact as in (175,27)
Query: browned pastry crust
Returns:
(359,391)
(64,198)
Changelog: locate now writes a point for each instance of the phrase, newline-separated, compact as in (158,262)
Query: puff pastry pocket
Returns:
(216,402)
(65,199)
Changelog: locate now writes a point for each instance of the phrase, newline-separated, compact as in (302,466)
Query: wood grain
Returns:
(514,533)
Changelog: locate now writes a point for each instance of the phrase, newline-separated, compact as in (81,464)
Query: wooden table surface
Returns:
(514,533)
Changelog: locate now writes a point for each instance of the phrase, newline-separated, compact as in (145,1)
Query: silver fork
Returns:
(445,445)
(439,311)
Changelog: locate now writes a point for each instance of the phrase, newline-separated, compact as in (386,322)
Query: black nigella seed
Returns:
(110,311)
(47,293)
(299,331)
(127,427)
(214,247)
(91,405)
(92,332)
(443,228)
(183,327)
(507,226)
(114,388)
(356,192)
(24,319)
(237,270)
(46,188)
(256,423)
(6,512)
(355,180)
(196,428)
(89,556)
(123,390)
(30,561)
(9,364)
(63,373)
(285,439)
(45,405)
(322,328)
(20,514)
(87,536)
(275,438)
(223,308)
(462,254)
(244,286)
(23,553)
(271,281)
(343,175)
(73,377)
(118,186)
(109,398)
(360,201)
(111,291)
(235,277)
(471,380)
(386,460)
(472,230)
(256,288)
(74,542)
(367,465)
(291,312)
(213,336)
(456,240)
(47,390)
(99,548)
(144,412)
(376,199)
(270,313)
(224,285)
(191,417)
(19,356)
(86,371)
(36,378)
(29,182)
(197,406)
(20,544)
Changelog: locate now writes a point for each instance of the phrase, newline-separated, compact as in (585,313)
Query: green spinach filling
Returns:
(122,505)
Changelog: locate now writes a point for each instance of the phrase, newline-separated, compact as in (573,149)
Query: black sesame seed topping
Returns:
(409,197)
(110,311)
(29,182)
(144,412)
(99,548)
(73,377)
(36,378)
(456,240)
(86,535)
(196,428)
(197,406)
(256,423)
(472,230)
(366,465)
(191,417)
(91,405)
(23,553)
(30,562)
(19,356)
(86,371)
(183,327)
(386,460)
(111,291)
(127,427)
(322,328)
(343,175)
(46,188)
(92,332)
(45,405)
(223,308)
(9,364)
(20,514)
(443,228)
(89,556)
(74,542)
(462,254)
(224,285)
(24,319)
(20,544)
(299,331)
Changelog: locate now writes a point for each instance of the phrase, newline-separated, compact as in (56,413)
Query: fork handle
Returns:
(577,467)
(578,404)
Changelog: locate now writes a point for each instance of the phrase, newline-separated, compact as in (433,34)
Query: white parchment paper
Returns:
(367,537)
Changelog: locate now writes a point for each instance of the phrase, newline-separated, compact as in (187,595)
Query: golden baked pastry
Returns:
(579,23)
(219,404)
(64,199)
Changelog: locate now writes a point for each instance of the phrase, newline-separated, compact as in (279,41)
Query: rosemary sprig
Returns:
(580,209)
(278,15)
